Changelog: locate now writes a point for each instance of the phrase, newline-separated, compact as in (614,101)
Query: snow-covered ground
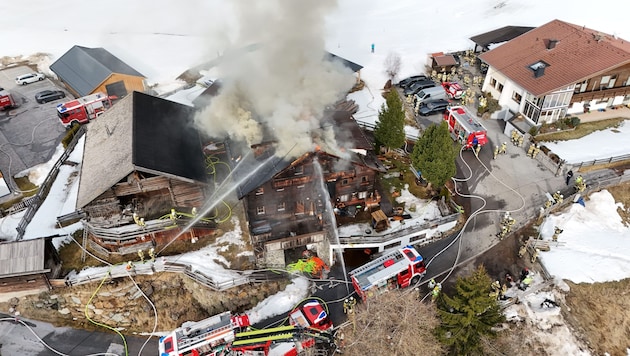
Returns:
(607,143)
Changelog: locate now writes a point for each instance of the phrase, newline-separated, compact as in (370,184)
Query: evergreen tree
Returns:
(390,127)
(470,313)
(434,155)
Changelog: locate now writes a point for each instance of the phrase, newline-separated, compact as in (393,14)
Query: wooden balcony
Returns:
(600,94)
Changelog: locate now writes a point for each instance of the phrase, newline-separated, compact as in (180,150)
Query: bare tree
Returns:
(394,323)
(392,65)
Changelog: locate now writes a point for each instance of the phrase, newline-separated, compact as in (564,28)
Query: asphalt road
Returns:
(16,339)
(30,133)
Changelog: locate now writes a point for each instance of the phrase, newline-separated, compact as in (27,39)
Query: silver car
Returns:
(29,78)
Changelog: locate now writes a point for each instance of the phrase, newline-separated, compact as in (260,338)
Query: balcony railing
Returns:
(600,94)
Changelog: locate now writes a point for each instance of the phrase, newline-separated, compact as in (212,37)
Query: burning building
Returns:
(289,202)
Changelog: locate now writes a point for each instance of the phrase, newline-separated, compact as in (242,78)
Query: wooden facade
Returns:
(131,82)
(607,85)
(110,219)
(290,207)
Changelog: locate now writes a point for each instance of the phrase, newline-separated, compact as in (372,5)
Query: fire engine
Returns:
(464,127)
(397,269)
(84,109)
(453,90)
(6,100)
(229,335)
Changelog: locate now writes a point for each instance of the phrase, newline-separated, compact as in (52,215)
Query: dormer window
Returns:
(539,68)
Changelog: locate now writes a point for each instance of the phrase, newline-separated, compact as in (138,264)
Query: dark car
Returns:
(433,107)
(409,80)
(49,95)
(417,86)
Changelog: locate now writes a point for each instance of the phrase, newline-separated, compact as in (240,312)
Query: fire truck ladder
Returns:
(364,272)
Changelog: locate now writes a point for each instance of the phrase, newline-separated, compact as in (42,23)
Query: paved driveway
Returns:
(30,133)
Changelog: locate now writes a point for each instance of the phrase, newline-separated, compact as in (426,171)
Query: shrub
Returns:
(69,135)
(533,131)
(575,121)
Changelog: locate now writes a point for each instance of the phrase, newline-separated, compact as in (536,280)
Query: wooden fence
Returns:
(595,162)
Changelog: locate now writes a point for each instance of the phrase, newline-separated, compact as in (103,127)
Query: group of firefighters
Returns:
(500,149)
(533,150)
(517,138)
(151,252)
(506,225)
(556,198)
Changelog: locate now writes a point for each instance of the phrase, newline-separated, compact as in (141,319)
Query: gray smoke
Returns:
(285,84)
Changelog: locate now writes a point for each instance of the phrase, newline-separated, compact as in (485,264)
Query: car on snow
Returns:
(404,83)
(433,107)
(49,95)
(417,86)
(29,78)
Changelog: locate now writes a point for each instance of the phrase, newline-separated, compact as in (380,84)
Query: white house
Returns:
(558,69)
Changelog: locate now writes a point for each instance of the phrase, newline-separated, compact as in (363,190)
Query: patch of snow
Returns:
(282,302)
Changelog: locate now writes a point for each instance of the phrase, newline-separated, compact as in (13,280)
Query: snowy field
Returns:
(597,145)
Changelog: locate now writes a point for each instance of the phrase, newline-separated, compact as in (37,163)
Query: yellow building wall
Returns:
(131,83)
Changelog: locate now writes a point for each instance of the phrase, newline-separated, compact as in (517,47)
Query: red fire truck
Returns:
(228,335)
(84,109)
(397,269)
(453,90)
(465,127)
(6,100)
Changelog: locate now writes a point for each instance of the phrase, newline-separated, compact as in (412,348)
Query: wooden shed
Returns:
(27,265)
(87,71)
(380,221)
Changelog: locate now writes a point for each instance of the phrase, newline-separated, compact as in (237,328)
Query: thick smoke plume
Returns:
(283,86)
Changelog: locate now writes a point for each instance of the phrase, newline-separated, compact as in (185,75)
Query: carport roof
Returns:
(499,35)
(22,257)
(84,69)
(144,133)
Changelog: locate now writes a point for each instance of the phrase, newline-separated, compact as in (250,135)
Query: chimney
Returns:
(551,43)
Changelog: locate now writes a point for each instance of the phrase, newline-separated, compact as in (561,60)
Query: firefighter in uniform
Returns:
(141,255)
(503,148)
(556,231)
(522,251)
(535,255)
(530,150)
(536,150)
(152,254)
(520,141)
(496,151)
(477,149)
(556,197)
(436,291)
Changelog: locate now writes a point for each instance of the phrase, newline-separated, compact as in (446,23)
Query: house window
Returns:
(493,82)
(500,87)
(299,170)
(605,80)
(260,210)
(364,179)
(344,197)
(260,191)
(362,195)
(282,206)
(344,182)
(517,97)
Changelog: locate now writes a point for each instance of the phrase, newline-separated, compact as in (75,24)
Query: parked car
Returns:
(49,95)
(404,83)
(29,78)
(433,107)
(417,86)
